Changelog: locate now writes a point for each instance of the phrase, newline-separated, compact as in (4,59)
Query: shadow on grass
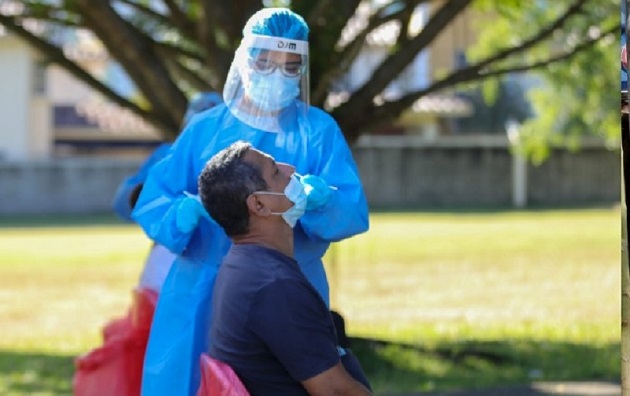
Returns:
(72,220)
(392,367)
(35,373)
(398,368)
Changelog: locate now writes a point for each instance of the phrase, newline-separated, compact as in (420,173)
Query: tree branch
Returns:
(391,110)
(55,55)
(362,98)
(180,19)
(169,50)
(542,35)
(194,79)
(554,59)
(326,23)
(405,19)
(347,55)
(49,13)
(177,21)
(364,104)
(220,33)
(147,11)
(135,54)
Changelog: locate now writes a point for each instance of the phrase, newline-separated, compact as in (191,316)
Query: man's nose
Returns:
(286,168)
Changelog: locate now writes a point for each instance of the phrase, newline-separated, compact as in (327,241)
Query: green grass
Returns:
(432,300)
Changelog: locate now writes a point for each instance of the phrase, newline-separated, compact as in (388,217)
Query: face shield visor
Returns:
(268,81)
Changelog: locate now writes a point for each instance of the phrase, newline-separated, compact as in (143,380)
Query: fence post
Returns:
(519,165)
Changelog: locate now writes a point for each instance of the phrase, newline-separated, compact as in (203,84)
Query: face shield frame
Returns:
(268,75)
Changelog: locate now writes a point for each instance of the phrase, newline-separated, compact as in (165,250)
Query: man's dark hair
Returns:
(224,185)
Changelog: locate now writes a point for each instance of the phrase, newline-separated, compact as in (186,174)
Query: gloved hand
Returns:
(189,211)
(318,192)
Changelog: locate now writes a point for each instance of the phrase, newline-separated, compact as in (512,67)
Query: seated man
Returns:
(268,323)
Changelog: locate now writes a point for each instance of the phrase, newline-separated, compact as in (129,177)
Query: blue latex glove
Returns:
(318,192)
(189,212)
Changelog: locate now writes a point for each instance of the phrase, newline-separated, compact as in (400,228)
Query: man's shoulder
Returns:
(259,264)
(255,251)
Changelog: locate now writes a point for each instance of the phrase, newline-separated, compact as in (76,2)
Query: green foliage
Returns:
(575,101)
(34,373)
(572,99)
(277,3)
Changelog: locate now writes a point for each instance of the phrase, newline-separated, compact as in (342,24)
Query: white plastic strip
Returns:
(276,44)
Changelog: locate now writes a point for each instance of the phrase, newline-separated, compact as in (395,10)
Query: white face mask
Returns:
(294,191)
(272,92)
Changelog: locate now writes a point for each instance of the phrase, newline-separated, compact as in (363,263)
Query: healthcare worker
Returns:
(159,260)
(266,102)
(116,366)
(122,198)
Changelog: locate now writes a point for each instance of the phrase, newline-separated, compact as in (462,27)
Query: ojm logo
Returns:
(287,45)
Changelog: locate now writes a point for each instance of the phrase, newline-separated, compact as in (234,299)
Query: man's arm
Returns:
(335,381)
(295,324)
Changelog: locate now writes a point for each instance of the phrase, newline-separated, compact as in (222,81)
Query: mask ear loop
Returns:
(259,207)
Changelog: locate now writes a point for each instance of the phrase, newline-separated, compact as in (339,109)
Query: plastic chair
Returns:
(218,379)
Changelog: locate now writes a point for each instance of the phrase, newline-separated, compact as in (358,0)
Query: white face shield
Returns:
(268,80)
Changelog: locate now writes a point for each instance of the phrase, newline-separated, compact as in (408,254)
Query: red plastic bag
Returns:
(218,379)
(116,367)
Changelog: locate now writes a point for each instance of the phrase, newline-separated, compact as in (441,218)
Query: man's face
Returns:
(276,174)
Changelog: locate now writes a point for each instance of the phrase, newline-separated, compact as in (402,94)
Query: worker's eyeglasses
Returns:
(266,67)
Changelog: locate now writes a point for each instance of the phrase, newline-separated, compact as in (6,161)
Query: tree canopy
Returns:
(573,96)
(170,48)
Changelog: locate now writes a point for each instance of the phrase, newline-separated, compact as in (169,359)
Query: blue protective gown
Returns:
(180,329)
(121,198)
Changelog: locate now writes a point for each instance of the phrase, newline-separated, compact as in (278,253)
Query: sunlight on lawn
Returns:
(411,277)
(61,285)
(481,276)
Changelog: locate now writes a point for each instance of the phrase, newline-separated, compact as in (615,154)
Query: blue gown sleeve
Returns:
(163,191)
(346,213)
(120,202)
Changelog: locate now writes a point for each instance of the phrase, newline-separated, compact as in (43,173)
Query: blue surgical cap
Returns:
(277,22)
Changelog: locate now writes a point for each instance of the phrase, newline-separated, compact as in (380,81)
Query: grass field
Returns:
(432,300)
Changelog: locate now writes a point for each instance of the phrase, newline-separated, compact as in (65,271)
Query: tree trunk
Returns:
(625,272)
(625,262)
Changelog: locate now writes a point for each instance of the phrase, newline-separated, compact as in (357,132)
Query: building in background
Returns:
(430,115)
(46,112)
(54,114)
(85,122)
(25,115)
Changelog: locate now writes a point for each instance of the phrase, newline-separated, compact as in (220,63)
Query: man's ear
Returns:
(256,206)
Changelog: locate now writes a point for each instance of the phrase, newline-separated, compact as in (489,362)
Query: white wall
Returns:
(15,71)
(39,136)
(24,116)
(64,89)
(396,173)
